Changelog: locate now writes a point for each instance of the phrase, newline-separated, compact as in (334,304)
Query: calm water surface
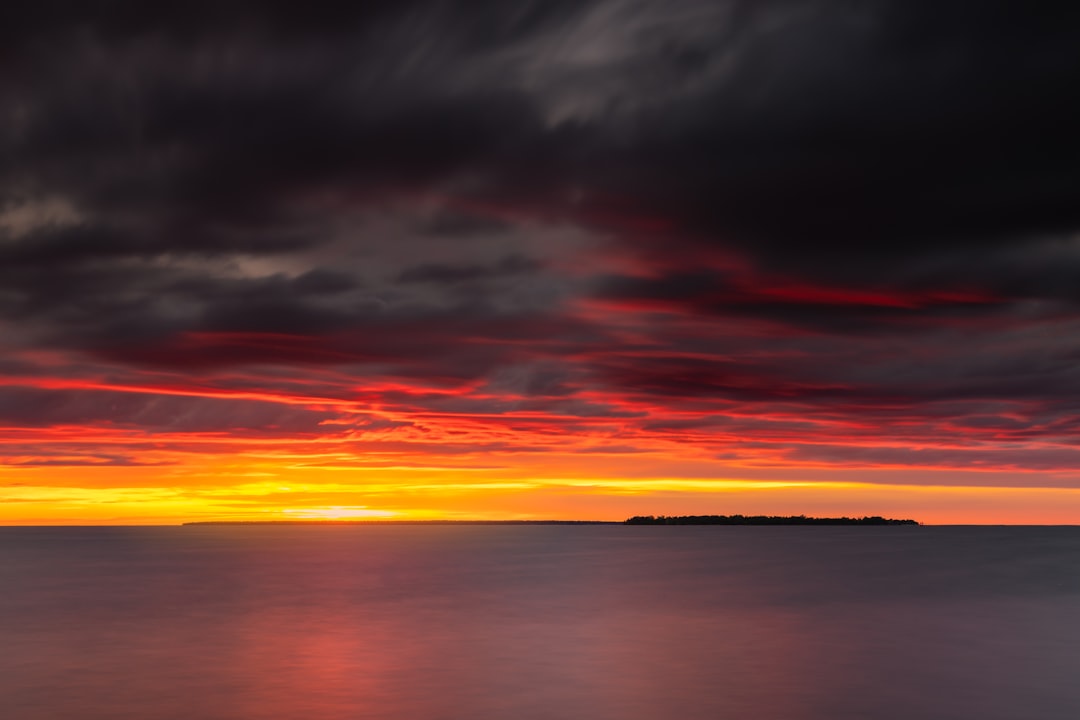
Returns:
(544,622)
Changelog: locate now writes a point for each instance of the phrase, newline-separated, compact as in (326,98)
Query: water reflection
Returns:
(539,622)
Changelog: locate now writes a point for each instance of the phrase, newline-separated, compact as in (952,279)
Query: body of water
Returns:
(540,622)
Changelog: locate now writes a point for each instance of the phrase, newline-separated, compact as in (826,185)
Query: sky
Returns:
(511,260)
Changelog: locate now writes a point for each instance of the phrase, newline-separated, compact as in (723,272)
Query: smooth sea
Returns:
(540,622)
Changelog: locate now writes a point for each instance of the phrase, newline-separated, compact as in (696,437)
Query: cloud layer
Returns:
(752,234)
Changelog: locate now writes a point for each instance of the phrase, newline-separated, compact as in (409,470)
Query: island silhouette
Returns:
(761,520)
(636,520)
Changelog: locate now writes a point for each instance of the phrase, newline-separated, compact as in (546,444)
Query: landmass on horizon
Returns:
(636,520)
(762,520)
(403,522)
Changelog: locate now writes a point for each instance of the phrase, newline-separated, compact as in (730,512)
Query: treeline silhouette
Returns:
(760,520)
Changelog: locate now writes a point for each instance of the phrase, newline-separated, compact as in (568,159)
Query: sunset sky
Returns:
(436,259)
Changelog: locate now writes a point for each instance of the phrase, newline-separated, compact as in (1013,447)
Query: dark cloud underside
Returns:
(617,208)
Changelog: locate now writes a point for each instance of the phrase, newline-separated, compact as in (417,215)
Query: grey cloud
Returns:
(509,266)
(32,407)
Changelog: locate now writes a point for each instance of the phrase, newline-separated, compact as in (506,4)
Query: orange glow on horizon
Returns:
(318,447)
(264,491)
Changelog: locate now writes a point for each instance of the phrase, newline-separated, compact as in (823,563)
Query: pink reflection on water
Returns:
(537,623)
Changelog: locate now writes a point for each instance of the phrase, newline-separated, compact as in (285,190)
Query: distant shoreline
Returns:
(762,520)
(404,522)
(636,520)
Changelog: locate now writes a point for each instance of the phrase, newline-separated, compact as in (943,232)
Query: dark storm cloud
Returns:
(449,348)
(146,152)
(85,244)
(881,142)
(459,224)
(876,143)
(846,132)
(867,372)
(510,266)
(788,303)
(33,407)
(430,191)
(491,21)
(211,111)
